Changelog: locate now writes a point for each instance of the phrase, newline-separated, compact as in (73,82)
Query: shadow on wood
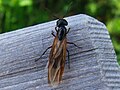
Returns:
(93,67)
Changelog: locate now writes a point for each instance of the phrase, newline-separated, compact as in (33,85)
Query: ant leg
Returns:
(68,58)
(68,30)
(56,29)
(53,33)
(43,53)
(73,44)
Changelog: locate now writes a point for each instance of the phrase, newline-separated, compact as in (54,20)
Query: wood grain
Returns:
(93,67)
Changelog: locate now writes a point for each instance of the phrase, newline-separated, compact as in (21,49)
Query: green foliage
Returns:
(15,14)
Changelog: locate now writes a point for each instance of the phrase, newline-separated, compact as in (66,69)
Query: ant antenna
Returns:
(56,17)
(68,8)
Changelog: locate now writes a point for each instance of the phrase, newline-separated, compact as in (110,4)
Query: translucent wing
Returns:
(57,61)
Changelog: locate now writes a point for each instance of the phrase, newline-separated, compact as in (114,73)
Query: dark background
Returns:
(16,14)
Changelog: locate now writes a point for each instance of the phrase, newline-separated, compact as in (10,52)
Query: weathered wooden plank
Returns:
(93,67)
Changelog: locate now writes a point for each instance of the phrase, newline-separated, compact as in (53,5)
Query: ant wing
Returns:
(57,61)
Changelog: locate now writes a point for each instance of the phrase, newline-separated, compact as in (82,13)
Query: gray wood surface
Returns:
(93,67)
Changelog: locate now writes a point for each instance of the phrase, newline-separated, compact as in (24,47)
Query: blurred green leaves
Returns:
(114,26)
(16,14)
(91,8)
(25,2)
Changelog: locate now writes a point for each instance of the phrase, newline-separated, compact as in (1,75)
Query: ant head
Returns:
(61,22)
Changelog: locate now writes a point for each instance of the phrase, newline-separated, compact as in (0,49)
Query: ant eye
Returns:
(65,23)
